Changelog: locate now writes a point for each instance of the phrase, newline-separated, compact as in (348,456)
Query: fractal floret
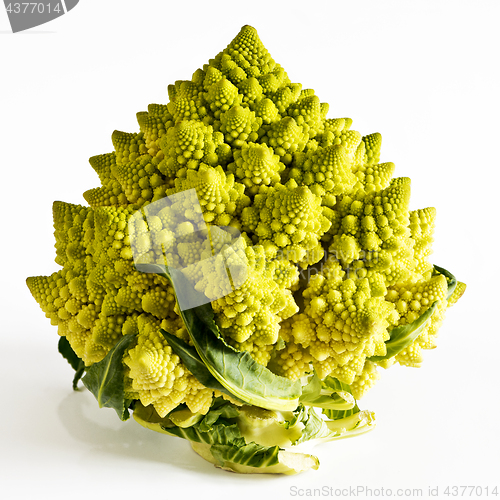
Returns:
(246,269)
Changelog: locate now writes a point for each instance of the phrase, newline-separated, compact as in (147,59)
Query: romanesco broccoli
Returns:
(309,269)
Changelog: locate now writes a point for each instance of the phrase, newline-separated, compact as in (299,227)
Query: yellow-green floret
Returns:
(256,165)
(343,323)
(327,171)
(375,228)
(422,223)
(157,376)
(288,219)
(411,301)
(252,313)
(221,198)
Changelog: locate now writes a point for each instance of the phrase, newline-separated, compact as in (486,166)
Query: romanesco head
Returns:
(328,259)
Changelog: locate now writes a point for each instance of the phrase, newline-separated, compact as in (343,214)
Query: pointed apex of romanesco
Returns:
(373,144)
(245,55)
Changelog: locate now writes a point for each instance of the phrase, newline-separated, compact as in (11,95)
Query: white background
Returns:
(424,74)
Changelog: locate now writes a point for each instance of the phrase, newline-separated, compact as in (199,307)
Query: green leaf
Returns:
(336,385)
(193,362)
(297,416)
(314,427)
(68,354)
(270,428)
(222,433)
(78,375)
(76,363)
(237,371)
(311,389)
(105,379)
(220,409)
(251,455)
(404,335)
(284,462)
(329,393)
(318,430)
(452,281)
(352,425)
(339,414)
